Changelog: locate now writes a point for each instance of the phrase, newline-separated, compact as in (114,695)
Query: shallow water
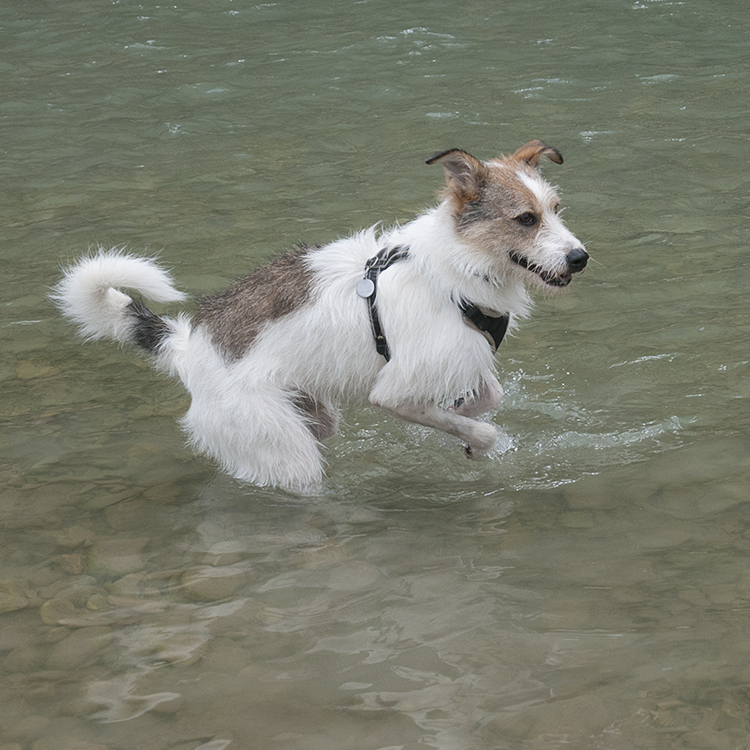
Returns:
(588,586)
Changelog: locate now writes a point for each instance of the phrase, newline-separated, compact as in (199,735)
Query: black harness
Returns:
(367,287)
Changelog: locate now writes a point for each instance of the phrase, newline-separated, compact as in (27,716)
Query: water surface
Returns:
(587,586)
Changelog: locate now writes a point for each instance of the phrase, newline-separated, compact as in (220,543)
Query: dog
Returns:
(408,318)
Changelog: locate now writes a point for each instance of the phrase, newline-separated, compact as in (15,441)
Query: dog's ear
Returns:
(464,174)
(533,151)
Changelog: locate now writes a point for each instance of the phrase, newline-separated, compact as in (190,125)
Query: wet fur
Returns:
(268,362)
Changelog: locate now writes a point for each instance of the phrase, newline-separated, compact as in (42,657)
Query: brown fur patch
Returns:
(503,196)
(494,191)
(235,317)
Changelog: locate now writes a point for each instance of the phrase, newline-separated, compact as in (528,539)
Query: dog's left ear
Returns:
(465,175)
(533,151)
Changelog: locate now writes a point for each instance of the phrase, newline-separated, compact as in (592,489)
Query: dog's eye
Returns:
(527,219)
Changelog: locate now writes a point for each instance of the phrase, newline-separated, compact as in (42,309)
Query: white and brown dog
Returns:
(408,319)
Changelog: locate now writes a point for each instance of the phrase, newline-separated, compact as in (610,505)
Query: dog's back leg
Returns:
(257,433)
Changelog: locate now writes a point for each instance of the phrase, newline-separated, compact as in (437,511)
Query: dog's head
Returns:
(507,215)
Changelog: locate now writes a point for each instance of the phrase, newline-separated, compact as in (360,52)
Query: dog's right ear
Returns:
(464,174)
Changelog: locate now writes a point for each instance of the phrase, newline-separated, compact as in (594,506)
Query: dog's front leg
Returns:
(478,436)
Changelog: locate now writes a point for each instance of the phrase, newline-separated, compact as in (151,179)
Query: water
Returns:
(586,587)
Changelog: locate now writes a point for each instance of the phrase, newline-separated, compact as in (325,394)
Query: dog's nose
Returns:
(577,259)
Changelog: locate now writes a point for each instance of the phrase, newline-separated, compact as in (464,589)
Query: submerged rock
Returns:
(12,602)
(55,610)
(211,584)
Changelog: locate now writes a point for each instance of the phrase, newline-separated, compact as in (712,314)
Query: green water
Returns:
(587,587)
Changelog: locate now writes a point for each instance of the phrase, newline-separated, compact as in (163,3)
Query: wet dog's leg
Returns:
(478,436)
(257,432)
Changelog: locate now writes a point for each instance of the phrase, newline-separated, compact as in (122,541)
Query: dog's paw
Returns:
(482,440)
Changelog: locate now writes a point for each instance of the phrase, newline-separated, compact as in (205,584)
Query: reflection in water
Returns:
(598,609)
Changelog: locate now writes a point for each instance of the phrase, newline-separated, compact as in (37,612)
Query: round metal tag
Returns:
(365,288)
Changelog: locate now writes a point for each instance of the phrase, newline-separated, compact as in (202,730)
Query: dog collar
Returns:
(367,288)
(494,326)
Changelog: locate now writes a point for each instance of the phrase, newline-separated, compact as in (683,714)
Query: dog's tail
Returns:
(89,293)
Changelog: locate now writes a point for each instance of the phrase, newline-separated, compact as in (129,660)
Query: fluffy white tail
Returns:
(89,294)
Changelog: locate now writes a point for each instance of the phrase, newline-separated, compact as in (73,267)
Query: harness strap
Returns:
(367,287)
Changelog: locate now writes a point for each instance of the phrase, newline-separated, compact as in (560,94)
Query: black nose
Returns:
(577,259)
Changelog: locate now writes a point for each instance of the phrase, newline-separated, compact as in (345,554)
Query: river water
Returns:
(588,586)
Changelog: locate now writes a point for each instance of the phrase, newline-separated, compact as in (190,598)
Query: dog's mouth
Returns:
(548,277)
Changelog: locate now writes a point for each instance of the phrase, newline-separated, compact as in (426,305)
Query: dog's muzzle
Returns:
(575,261)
